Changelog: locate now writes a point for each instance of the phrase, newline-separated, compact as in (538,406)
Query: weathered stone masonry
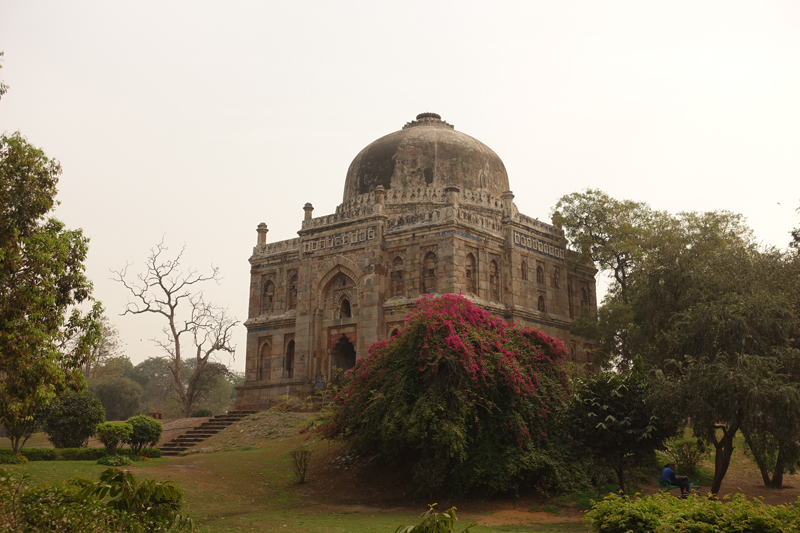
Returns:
(426,209)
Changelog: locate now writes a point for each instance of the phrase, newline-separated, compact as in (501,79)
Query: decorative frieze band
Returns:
(537,245)
(340,239)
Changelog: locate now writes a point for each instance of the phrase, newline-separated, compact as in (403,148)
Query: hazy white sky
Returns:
(198,120)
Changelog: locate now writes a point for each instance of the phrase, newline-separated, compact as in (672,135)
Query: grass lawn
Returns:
(244,482)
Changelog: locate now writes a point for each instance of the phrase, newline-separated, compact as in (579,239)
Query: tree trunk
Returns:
(722,459)
(777,474)
(759,457)
(620,478)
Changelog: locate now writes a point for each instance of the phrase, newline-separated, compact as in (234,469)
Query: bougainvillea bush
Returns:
(466,400)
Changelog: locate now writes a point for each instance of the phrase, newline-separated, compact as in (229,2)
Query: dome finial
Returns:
(429,115)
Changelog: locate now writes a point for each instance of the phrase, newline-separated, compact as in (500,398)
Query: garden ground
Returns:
(242,480)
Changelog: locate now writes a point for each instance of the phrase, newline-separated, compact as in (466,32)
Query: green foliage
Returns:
(612,419)
(467,399)
(663,513)
(72,419)
(44,336)
(687,453)
(433,522)
(80,454)
(156,499)
(113,434)
(146,432)
(115,460)
(201,412)
(74,507)
(120,396)
(12,459)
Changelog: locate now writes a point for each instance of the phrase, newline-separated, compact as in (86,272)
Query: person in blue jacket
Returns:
(668,474)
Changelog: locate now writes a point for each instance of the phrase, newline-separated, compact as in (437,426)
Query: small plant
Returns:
(146,432)
(113,434)
(201,412)
(300,462)
(433,522)
(115,460)
(686,453)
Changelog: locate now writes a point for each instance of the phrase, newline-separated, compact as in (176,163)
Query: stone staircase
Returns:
(202,432)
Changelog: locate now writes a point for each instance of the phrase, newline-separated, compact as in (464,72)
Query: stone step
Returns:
(202,432)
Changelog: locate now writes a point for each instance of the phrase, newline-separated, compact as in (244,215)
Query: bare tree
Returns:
(202,329)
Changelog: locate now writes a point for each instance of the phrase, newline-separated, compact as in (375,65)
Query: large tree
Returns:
(194,328)
(44,338)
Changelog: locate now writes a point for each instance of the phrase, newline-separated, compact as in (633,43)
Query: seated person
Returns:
(668,474)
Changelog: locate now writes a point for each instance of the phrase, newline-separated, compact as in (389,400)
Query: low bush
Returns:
(663,513)
(78,454)
(12,459)
(146,432)
(77,505)
(113,434)
(115,460)
(201,412)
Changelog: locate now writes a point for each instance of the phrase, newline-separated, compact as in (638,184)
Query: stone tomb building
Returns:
(426,209)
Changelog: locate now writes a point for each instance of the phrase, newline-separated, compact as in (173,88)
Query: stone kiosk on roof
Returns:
(426,210)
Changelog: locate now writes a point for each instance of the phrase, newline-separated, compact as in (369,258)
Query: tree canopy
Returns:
(715,314)
(44,337)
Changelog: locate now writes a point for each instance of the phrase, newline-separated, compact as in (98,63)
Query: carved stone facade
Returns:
(426,210)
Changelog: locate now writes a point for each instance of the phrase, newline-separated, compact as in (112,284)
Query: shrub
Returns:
(76,505)
(461,395)
(146,432)
(115,460)
(663,513)
(72,419)
(686,453)
(300,461)
(201,412)
(12,459)
(113,434)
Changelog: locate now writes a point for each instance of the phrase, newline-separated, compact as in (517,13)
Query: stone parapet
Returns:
(272,248)
(538,225)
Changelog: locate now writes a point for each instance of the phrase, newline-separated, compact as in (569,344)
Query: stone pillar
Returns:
(508,204)
(452,194)
(380,198)
(308,208)
(262,233)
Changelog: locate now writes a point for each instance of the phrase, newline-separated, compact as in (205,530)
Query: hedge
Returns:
(663,513)
(74,454)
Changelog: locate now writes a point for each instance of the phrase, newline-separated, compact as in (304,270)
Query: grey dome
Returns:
(427,152)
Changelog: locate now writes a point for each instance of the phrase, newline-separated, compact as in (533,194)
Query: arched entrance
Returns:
(341,358)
